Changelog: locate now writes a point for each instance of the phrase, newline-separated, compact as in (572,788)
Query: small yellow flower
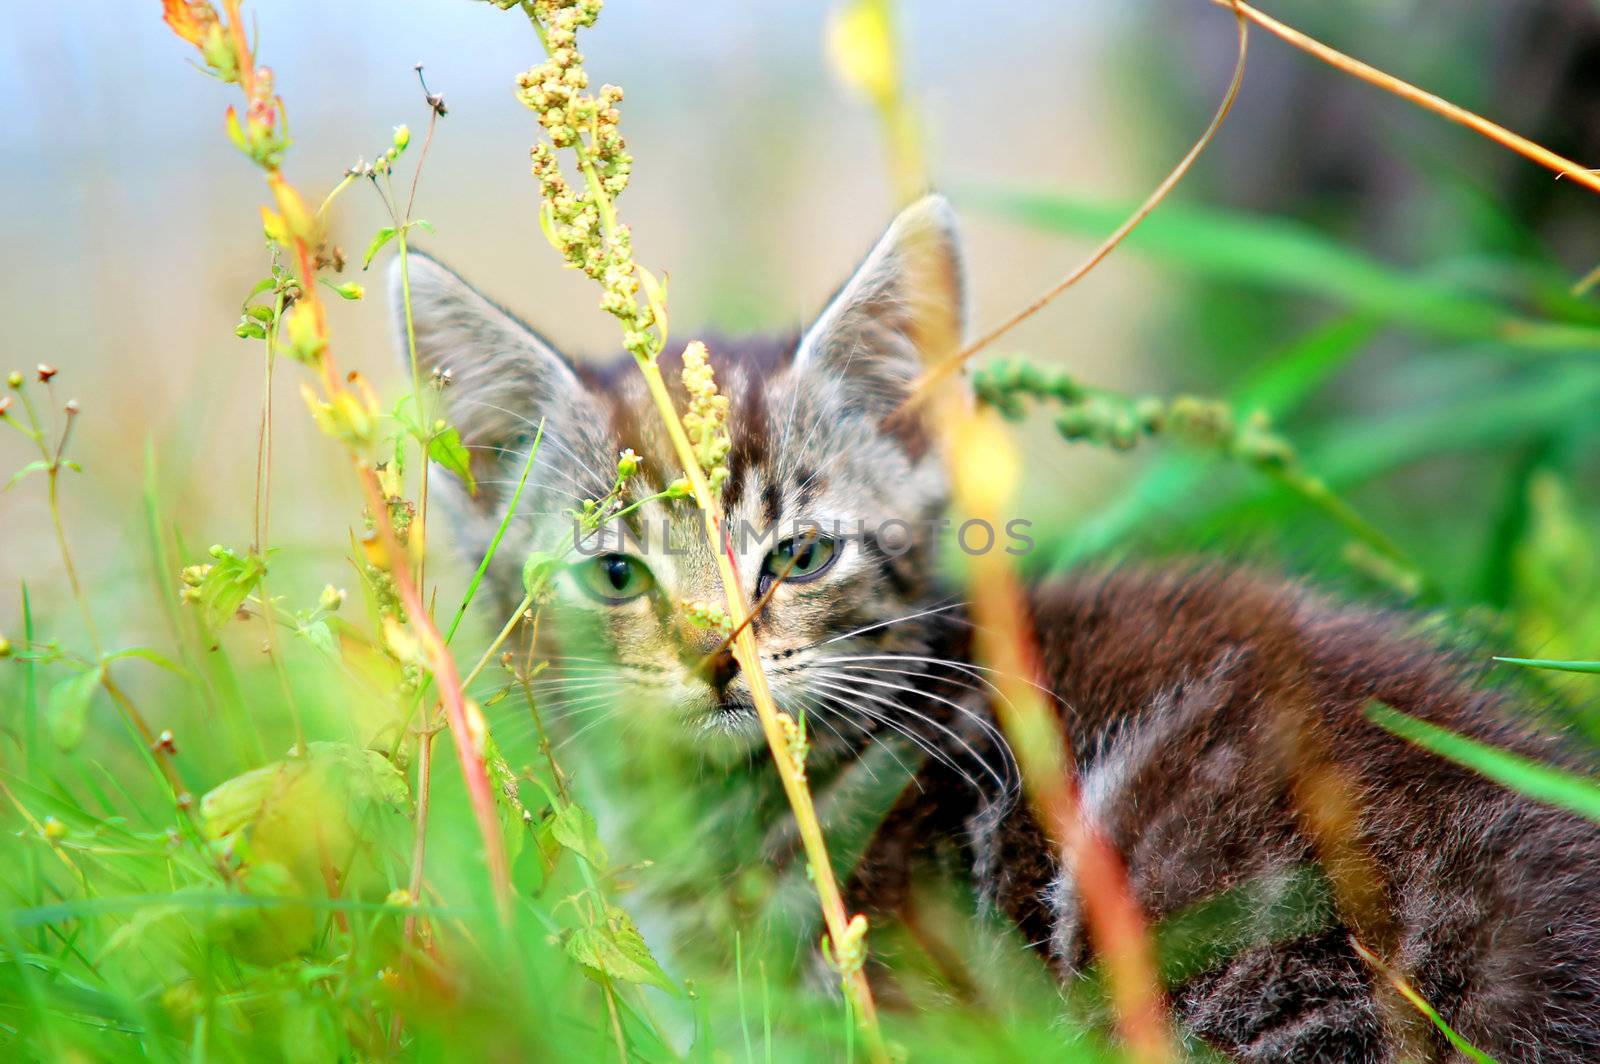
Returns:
(794,737)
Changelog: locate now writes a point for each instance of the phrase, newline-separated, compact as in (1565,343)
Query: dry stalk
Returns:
(601,246)
(1422,98)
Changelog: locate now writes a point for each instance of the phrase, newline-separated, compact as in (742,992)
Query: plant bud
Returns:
(54,830)
(627,464)
(402,137)
(350,290)
(14,379)
(331,598)
(680,489)
(46,372)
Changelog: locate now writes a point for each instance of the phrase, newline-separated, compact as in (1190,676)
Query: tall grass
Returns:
(231,839)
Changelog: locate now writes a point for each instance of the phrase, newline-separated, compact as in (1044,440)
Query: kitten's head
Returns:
(824,485)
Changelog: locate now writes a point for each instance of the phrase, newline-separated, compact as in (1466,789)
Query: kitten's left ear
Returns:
(904,310)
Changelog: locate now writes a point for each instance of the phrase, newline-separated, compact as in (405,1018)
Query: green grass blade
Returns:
(1545,783)
(1279,387)
(499,533)
(1558,666)
(1288,256)
(1418,1002)
(30,683)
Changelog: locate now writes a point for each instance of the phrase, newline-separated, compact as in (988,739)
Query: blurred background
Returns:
(1322,205)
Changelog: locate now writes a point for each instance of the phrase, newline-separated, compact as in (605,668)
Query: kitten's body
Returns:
(1181,691)
(1215,716)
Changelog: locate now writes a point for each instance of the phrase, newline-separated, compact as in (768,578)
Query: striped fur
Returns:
(1193,699)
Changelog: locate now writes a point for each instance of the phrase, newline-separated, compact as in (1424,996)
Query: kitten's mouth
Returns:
(731,715)
(732,711)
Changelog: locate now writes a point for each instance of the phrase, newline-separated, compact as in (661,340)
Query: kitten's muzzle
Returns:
(718,669)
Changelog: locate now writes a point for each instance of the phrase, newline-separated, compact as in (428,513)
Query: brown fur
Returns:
(1177,684)
(1215,716)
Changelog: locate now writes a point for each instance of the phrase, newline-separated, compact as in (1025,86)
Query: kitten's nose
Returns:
(720,668)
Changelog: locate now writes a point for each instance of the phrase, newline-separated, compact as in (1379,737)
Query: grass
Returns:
(215,853)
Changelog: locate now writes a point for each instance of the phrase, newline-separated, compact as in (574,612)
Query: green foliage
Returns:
(1559,666)
(1544,782)
(68,709)
(1287,256)
(612,948)
(303,906)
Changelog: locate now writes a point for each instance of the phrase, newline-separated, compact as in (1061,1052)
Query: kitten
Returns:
(1194,699)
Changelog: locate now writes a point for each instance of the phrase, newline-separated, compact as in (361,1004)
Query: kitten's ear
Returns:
(903,310)
(504,378)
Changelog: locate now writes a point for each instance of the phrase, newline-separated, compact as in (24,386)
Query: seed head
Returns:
(706,420)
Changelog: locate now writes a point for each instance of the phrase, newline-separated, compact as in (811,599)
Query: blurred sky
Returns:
(759,181)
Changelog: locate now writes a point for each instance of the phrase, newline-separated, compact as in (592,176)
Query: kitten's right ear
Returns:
(504,377)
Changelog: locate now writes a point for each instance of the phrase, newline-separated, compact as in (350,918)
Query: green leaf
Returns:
(420,223)
(574,829)
(153,657)
(614,949)
(1555,786)
(36,466)
(537,570)
(514,817)
(447,449)
(335,798)
(385,235)
(68,709)
(405,412)
(229,582)
(1559,666)
(319,635)
(1278,253)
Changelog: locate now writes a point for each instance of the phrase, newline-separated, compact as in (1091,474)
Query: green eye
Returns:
(614,578)
(800,558)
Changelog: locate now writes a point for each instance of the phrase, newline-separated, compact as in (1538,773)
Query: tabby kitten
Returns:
(1194,698)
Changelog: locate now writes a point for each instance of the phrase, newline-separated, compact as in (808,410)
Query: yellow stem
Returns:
(748,655)
(745,650)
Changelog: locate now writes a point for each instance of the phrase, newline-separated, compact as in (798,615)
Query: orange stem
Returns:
(466,725)
(1405,90)
(942,369)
